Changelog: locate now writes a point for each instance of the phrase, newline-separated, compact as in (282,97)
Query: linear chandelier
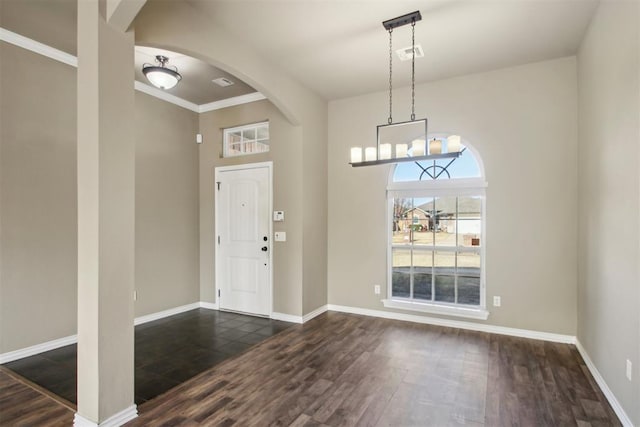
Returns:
(404,141)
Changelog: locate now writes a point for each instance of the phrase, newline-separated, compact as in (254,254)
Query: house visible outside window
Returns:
(436,236)
(248,139)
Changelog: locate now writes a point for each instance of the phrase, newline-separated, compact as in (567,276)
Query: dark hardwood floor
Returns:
(167,352)
(343,370)
(24,404)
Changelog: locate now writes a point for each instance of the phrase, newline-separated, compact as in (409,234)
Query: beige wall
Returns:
(285,153)
(167,192)
(609,208)
(523,123)
(38,202)
(315,208)
(177,26)
(38,218)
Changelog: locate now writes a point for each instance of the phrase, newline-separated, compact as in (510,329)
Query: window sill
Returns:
(471,313)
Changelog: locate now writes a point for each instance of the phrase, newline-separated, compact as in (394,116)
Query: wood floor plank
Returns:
(349,370)
(22,405)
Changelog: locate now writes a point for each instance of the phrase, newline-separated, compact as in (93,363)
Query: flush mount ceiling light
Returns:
(161,76)
(408,138)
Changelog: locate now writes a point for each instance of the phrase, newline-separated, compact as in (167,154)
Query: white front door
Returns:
(243,275)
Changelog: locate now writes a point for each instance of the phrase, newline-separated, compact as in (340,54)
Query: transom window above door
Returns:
(247,139)
(436,236)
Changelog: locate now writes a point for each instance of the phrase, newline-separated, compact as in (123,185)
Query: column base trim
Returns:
(115,420)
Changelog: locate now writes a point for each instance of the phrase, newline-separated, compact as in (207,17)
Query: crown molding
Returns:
(65,58)
(165,96)
(230,102)
(37,47)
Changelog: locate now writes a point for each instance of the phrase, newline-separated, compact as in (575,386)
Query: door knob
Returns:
(264,249)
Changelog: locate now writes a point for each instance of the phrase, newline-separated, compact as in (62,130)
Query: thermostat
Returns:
(278,216)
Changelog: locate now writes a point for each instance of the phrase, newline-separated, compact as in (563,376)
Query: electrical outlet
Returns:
(629,369)
(376,289)
(497,301)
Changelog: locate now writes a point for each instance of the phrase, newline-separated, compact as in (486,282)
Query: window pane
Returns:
(470,221)
(469,278)
(444,213)
(445,263)
(261,146)
(249,134)
(422,273)
(409,171)
(401,227)
(263,132)
(445,288)
(243,140)
(422,233)
(235,137)
(401,273)
(444,270)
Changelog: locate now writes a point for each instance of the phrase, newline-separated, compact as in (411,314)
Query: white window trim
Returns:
(227,131)
(453,187)
(437,308)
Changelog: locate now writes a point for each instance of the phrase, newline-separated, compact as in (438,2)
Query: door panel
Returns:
(242,224)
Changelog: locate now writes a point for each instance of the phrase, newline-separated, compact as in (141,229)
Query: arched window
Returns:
(436,235)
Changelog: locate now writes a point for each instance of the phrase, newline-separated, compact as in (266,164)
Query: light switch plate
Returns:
(278,216)
(280,236)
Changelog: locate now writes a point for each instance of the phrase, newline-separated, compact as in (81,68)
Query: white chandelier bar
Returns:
(416,151)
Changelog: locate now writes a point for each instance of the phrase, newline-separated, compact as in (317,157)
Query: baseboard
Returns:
(617,408)
(116,420)
(165,313)
(72,339)
(286,317)
(318,311)
(36,349)
(209,305)
(480,327)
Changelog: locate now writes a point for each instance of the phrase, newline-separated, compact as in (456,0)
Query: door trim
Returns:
(217,170)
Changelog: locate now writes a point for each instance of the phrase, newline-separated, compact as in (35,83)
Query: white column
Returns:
(106,167)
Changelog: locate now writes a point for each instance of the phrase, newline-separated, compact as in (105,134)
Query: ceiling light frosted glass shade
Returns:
(160,77)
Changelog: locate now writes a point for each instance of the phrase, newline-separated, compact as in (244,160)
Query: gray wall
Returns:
(523,123)
(167,207)
(286,153)
(180,27)
(609,198)
(315,210)
(38,202)
(38,218)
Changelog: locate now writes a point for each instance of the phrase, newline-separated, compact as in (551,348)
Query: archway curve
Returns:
(469,146)
(178,27)
(291,117)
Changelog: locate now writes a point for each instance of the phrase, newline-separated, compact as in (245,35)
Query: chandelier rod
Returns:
(390,120)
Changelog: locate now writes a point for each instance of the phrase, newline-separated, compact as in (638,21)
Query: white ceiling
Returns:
(338,48)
